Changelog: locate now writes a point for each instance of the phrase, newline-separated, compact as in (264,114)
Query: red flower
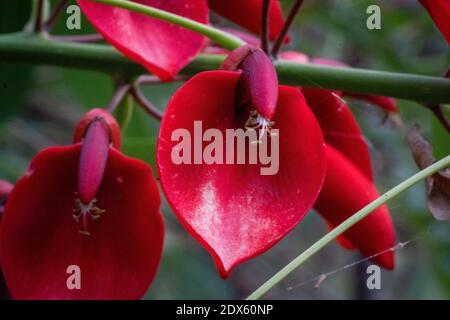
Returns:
(84,205)
(440,12)
(248,14)
(348,185)
(231,209)
(163,48)
(345,191)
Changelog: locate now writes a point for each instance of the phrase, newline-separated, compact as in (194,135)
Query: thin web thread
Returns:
(318,280)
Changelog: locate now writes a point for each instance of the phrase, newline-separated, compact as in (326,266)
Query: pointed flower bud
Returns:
(99,129)
(107,118)
(259,80)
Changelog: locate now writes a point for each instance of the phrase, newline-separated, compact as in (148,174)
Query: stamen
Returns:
(84,211)
(257,121)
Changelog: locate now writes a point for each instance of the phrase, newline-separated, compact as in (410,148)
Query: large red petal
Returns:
(40,239)
(248,14)
(231,209)
(345,191)
(339,126)
(161,47)
(440,12)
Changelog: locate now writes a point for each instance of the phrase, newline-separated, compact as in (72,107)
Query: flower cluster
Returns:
(89,205)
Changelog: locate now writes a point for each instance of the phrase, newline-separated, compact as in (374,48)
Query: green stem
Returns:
(30,49)
(347,224)
(220,37)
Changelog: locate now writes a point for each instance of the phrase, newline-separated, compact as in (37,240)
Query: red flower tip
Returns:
(440,12)
(259,80)
(248,14)
(106,118)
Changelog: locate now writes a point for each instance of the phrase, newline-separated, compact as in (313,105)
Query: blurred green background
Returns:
(40,105)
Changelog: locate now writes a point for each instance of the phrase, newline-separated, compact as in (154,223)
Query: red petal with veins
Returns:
(339,127)
(231,209)
(440,12)
(345,191)
(163,48)
(39,238)
(248,14)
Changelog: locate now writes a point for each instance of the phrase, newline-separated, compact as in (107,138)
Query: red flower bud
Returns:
(259,80)
(93,159)
(106,118)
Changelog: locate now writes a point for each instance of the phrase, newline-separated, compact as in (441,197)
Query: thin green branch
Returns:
(347,224)
(220,37)
(39,5)
(29,49)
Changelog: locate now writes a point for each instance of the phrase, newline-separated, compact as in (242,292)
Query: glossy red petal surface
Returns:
(231,209)
(39,237)
(163,48)
(339,126)
(248,14)
(345,191)
(440,12)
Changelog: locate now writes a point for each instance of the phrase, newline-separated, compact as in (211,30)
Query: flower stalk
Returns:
(28,49)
